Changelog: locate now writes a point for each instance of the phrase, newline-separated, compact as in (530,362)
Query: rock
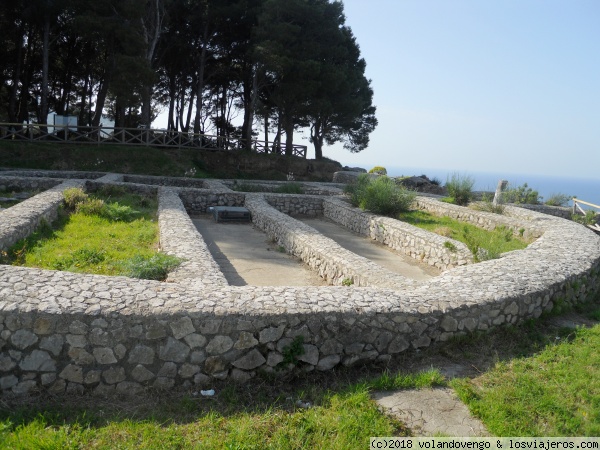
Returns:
(141,354)
(81,357)
(271,334)
(53,344)
(174,350)
(219,345)
(72,373)
(240,376)
(310,355)
(104,356)
(141,374)
(195,340)
(168,369)
(129,388)
(182,327)
(245,340)
(251,360)
(114,375)
(188,370)
(23,339)
(38,361)
(329,362)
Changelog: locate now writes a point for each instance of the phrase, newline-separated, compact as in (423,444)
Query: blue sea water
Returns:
(586,189)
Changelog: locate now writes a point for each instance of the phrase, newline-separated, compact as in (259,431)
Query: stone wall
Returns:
(22,219)
(430,248)
(74,333)
(11,183)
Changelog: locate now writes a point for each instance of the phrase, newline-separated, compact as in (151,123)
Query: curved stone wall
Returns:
(68,332)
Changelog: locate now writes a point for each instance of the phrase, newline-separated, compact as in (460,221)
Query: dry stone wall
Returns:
(430,248)
(74,333)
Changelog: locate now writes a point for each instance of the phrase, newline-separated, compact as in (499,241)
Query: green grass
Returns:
(494,243)
(339,418)
(121,238)
(553,393)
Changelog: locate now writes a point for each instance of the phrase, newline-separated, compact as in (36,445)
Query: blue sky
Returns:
(481,85)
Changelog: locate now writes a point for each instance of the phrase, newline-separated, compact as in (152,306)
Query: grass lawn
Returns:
(250,418)
(553,393)
(495,242)
(113,243)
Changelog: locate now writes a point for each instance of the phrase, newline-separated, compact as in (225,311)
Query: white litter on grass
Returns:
(208,393)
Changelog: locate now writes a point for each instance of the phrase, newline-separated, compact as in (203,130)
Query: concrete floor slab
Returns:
(376,252)
(247,257)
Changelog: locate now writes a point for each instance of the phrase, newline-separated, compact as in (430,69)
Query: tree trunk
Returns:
(43,112)
(316,136)
(289,135)
(16,79)
(100,100)
(200,82)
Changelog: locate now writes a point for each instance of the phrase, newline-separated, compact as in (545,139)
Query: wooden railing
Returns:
(577,209)
(136,137)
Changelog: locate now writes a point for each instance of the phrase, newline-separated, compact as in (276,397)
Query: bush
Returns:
(523,195)
(290,188)
(155,267)
(460,188)
(379,170)
(73,197)
(558,200)
(91,207)
(119,213)
(380,195)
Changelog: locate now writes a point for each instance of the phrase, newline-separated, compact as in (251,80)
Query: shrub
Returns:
(379,169)
(119,213)
(588,219)
(460,188)
(155,267)
(521,195)
(91,207)
(558,200)
(290,188)
(380,195)
(73,197)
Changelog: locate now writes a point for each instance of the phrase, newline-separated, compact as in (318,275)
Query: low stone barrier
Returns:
(430,248)
(10,183)
(332,262)
(22,219)
(179,237)
(74,333)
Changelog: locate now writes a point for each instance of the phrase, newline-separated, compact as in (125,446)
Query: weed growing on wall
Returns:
(521,195)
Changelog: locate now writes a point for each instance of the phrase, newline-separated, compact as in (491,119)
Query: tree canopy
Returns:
(275,65)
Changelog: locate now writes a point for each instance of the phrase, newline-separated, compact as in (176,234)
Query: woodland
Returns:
(232,68)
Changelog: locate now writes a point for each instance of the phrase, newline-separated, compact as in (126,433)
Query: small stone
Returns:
(423,341)
(155,331)
(141,374)
(75,340)
(182,327)
(120,351)
(48,378)
(114,375)
(245,340)
(202,380)
(100,337)
(250,361)
(449,324)
(329,362)
(331,347)
(92,377)
(310,355)
(195,340)
(100,323)
(72,373)
(214,364)
(174,350)
(399,344)
(219,345)
(274,358)
(141,354)
(23,339)
(6,363)
(81,357)
(58,387)
(168,369)
(210,326)
(188,370)
(78,327)
(197,357)
(104,356)
(38,361)
(53,344)
(8,381)
(43,326)
(271,334)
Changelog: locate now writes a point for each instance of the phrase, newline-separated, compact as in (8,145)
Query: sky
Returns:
(481,85)
(503,86)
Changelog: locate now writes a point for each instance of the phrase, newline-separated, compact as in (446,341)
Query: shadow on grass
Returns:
(288,393)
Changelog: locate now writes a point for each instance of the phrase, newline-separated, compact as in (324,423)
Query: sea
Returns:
(586,189)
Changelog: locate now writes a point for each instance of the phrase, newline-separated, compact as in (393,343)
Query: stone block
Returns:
(23,339)
(72,373)
(174,350)
(81,357)
(114,375)
(38,361)
(328,362)
(182,327)
(141,374)
(104,355)
(219,345)
(53,344)
(141,354)
(250,360)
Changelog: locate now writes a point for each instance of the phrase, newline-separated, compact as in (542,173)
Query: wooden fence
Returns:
(137,137)
(577,209)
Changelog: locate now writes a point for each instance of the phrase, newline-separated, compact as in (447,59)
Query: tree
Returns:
(319,77)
